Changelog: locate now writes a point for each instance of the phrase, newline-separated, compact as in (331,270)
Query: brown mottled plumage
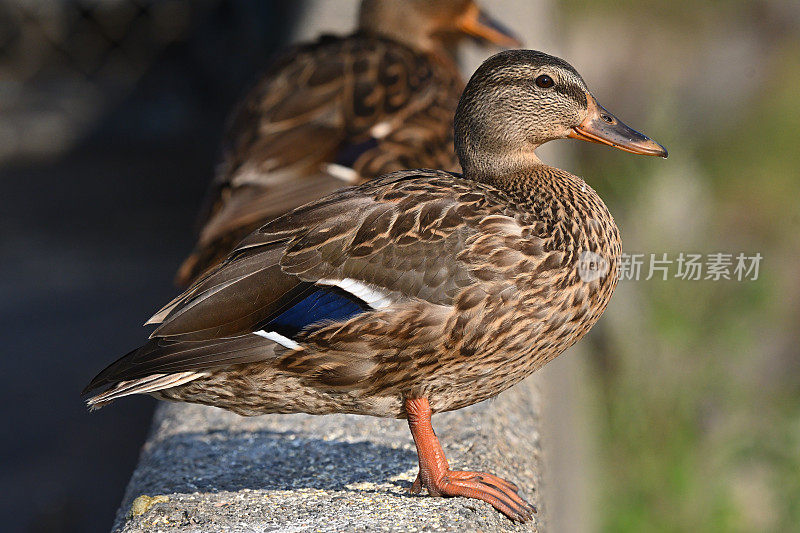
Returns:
(337,112)
(436,290)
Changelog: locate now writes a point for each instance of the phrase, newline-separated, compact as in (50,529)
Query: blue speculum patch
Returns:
(323,304)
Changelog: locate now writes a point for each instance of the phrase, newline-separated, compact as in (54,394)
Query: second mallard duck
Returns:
(420,292)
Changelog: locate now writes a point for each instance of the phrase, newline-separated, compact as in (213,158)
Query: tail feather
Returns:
(144,385)
(161,364)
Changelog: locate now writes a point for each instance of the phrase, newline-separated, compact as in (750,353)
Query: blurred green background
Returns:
(694,386)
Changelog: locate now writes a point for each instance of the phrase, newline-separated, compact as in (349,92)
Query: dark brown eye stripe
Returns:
(572,91)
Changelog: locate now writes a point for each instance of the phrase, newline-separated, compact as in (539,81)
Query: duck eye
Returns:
(544,81)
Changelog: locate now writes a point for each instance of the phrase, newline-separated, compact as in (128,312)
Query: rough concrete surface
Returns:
(296,473)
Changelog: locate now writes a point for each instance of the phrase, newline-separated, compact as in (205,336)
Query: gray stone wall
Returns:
(207,470)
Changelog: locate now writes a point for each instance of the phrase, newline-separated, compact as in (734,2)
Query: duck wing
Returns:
(358,250)
(394,238)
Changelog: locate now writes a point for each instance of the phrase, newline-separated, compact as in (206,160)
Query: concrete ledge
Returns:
(225,473)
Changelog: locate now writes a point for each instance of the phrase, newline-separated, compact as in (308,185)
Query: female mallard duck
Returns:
(419,292)
(343,108)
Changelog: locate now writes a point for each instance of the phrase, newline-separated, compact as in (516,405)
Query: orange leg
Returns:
(436,476)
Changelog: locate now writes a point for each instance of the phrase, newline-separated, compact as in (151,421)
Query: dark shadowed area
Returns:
(111,119)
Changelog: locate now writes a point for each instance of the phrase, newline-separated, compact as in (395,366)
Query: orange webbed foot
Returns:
(501,494)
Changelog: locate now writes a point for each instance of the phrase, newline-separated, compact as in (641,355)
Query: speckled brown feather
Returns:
(486,277)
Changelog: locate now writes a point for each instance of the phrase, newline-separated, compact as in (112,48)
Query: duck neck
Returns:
(488,151)
(500,169)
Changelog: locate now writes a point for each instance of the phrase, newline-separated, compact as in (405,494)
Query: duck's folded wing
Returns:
(393,239)
(164,361)
(362,249)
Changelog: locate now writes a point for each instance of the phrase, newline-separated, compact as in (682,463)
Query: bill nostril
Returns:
(607,118)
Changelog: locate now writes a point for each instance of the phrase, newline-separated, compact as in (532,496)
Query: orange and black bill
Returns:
(602,127)
(481,26)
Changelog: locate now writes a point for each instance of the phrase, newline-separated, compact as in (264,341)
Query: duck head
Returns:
(519,99)
(431,25)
